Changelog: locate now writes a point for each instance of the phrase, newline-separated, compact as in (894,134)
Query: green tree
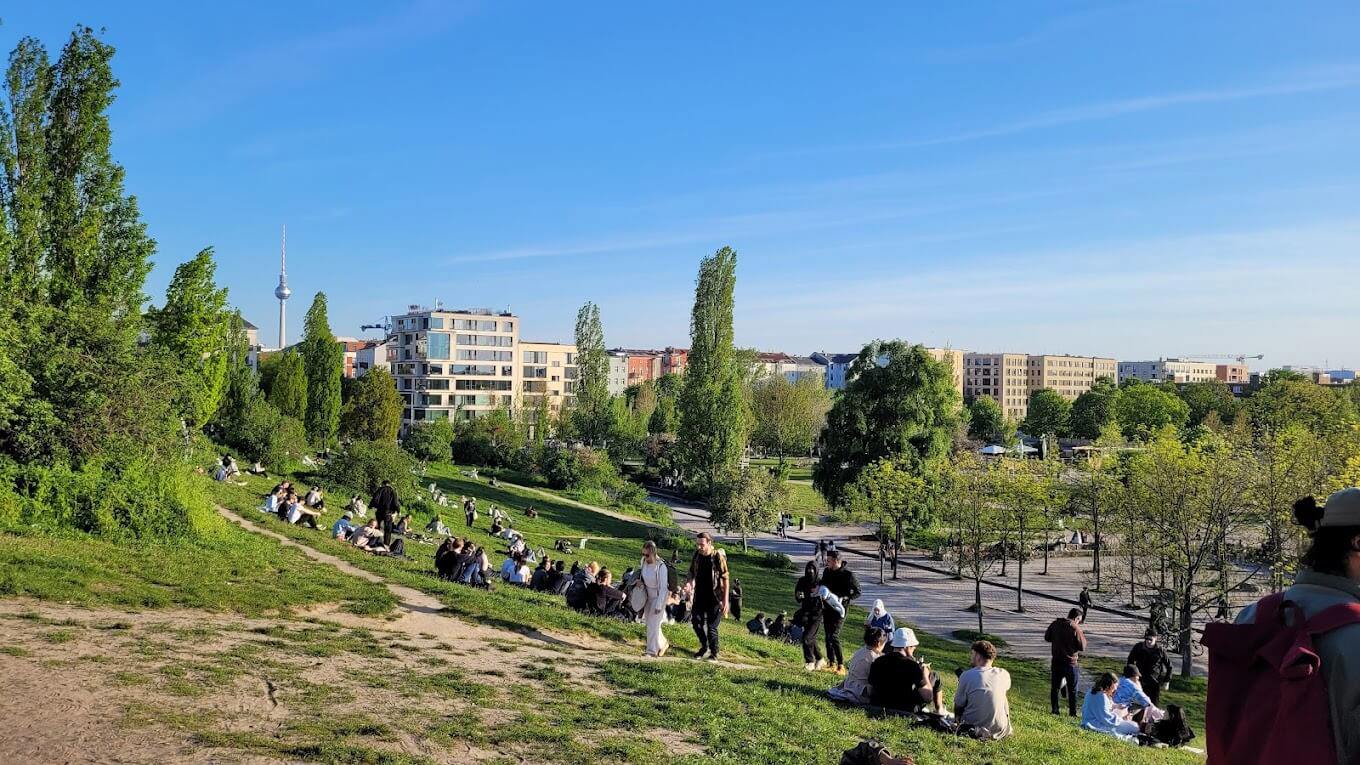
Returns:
(324,361)
(1022,496)
(1143,410)
(373,412)
(748,502)
(972,511)
(288,391)
(788,415)
(713,428)
(892,490)
(1209,396)
(1093,409)
(1282,402)
(1048,414)
(592,412)
(663,418)
(431,441)
(986,422)
(191,328)
(900,402)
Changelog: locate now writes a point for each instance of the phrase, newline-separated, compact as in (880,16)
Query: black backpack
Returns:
(866,753)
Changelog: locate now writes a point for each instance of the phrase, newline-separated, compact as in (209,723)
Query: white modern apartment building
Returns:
(1169,370)
(618,372)
(460,364)
(792,368)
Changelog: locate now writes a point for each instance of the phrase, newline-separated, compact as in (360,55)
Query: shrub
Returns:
(776,561)
(364,465)
(431,441)
(560,468)
(259,431)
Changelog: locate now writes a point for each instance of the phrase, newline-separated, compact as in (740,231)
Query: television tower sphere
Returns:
(282,292)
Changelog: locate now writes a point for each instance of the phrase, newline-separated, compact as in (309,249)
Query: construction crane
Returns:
(1240,358)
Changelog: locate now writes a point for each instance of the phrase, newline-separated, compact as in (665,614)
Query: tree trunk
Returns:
(1020,568)
(744,548)
(977,600)
(897,546)
(1045,550)
(1133,598)
(1005,537)
(1095,531)
(1187,640)
(880,549)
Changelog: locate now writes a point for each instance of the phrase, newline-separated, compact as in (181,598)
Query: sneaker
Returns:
(699,654)
(809,667)
(711,657)
(821,664)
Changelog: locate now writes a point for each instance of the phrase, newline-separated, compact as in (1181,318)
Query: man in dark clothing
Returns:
(1153,664)
(1068,642)
(385,508)
(897,680)
(735,600)
(1084,600)
(712,594)
(842,583)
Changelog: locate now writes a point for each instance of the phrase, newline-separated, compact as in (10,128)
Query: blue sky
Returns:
(1127,179)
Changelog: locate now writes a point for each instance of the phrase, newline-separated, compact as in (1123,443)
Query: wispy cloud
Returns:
(1314,81)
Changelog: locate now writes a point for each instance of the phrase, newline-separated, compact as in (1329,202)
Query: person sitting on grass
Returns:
(356,505)
(779,628)
(540,575)
(271,501)
(1129,695)
(368,537)
(446,555)
(900,683)
(854,689)
(436,526)
(256,469)
(520,575)
(301,514)
(496,528)
(980,699)
(478,568)
(403,526)
(757,626)
(313,497)
(1099,713)
(557,580)
(509,565)
(880,618)
(604,595)
(342,528)
(530,512)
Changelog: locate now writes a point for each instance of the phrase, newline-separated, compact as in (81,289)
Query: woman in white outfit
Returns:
(657,586)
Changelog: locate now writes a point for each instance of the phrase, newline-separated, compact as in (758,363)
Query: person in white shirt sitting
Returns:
(980,699)
(1129,696)
(854,689)
(356,505)
(521,573)
(271,502)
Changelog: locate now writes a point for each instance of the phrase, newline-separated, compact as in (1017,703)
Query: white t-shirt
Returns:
(294,512)
(982,694)
(520,575)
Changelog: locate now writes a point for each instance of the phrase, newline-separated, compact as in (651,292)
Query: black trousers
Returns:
(1059,671)
(1153,689)
(387,531)
(706,617)
(812,651)
(833,622)
(468,518)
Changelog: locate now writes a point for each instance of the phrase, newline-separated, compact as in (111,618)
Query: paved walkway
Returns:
(938,603)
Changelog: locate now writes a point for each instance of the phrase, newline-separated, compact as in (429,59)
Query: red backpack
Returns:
(1267,699)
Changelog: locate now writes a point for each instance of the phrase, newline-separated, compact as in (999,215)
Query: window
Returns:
(436,384)
(472,369)
(507,326)
(436,322)
(534,372)
(482,385)
(468,354)
(535,357)
(438,346)
(434,369)
(535,387)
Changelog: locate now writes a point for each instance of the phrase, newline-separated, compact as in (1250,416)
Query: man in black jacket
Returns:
(842,583)
(1153,664)
(385,508)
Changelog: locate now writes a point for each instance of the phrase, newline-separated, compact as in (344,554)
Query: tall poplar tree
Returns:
(713,427)
(324,360)
(288,388)
(191,328)
(591,412)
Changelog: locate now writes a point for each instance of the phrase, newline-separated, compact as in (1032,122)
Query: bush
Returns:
(260,432)
(137,498)
(776,561)
(364,465)
(560,468)
(432,441)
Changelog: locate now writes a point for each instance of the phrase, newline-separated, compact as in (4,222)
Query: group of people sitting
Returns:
(305,510)
(887,673)
(1118,706)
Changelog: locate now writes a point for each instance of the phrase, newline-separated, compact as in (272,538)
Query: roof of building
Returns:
(772,357)
(246,323)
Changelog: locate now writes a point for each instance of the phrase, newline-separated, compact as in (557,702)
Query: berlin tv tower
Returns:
(282,292)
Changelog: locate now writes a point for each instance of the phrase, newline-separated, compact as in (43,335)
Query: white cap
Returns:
(1343,508)
(904,637)
(879,610)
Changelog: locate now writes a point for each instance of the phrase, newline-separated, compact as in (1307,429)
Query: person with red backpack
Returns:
(1284,679)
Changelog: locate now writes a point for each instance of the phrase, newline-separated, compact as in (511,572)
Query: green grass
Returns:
(799,470)
(805,501)
(231,570)
(773,713)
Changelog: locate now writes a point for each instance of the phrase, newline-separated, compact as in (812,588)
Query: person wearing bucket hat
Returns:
(900,682)
(1329,575)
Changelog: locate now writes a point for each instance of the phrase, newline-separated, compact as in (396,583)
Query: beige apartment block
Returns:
(1070,376)
(454,363)
(1003,377)
(1169,370)
(547,371)
(952,359)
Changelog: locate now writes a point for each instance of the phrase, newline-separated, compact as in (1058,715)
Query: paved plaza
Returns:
(936,602)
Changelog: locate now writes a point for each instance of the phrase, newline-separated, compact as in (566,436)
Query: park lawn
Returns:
(800,470)
(805,501)
(770,712)
(230,569)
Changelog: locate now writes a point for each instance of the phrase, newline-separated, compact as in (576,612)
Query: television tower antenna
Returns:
(282,292)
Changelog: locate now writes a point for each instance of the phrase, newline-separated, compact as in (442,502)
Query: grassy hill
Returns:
(767,711)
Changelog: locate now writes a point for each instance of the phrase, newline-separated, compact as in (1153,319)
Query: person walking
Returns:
(1067,642)
(385,508)
(840,580)
(735,600)
(809,615)
(1084,600)
(712,593)
(469,511)
(1153,664)
(655,584)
